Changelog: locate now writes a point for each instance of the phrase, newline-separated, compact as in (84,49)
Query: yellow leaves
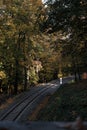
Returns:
(60,75)
(2,75)
(1,2)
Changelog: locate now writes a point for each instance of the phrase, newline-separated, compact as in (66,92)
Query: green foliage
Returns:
(69,17)
(66,104)
(33,76)
(17,51)
(61,49)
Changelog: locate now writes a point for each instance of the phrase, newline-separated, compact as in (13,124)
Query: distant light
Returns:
(44,1)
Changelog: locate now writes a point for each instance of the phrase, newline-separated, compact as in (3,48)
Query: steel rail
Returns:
(6,115)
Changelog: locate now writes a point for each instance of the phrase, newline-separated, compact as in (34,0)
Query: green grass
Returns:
(66,104)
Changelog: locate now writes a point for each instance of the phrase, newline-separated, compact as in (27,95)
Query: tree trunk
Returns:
(17,66)
(74,68)
(25,79)
(75,74)
(79,77)
(16,78)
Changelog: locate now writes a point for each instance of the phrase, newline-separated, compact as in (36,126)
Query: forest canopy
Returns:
(40,41)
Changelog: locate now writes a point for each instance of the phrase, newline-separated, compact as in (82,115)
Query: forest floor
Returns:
(66,104)
(6,100)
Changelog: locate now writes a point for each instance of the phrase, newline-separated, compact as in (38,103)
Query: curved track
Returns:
(15,112)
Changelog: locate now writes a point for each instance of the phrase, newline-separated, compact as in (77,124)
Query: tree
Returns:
(18,25)
(70,18)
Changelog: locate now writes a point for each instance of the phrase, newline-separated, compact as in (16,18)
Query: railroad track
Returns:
(20,99)
(15,113)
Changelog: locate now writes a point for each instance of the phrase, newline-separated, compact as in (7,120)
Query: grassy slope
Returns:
(66,104)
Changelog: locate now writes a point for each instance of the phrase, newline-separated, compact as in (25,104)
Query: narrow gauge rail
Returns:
(20,107)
